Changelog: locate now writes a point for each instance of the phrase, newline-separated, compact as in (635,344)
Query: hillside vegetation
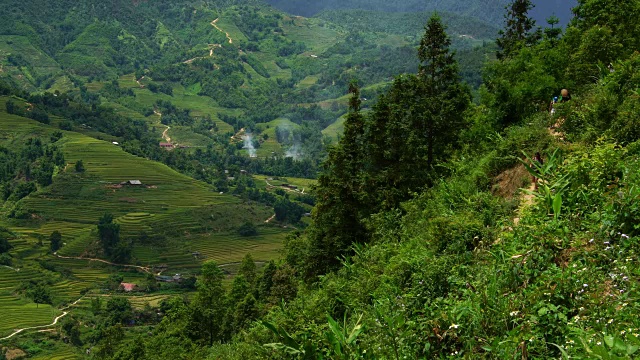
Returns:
(446,221)
(232,65)
(440,246)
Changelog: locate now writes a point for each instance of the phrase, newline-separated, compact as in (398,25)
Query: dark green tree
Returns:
(5,235)
(248,229)
(79,166)
(119,310)
(552,32)
(71,328)
(246,311)
(440,113)
(39,293)
(55,240)
(518,28)
(416,124)
(108,233)
(266,281)
(339,208)
(248,269)
(209,310)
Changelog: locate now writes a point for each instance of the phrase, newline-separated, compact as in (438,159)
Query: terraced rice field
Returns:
(16,311)
(187,214)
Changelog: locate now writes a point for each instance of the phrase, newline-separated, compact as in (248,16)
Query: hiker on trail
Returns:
(536,164)
(565,95)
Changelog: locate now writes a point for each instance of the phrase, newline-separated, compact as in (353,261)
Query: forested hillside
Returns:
(488,11)
(155,200)
(233,67)
(434,242)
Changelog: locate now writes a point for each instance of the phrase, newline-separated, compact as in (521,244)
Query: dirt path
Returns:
(164,134)
(9,267)
(269,219)
(526,200)
(281,187)
(55,321)
(258,263)
(215,25)
(143,268)
(138,81)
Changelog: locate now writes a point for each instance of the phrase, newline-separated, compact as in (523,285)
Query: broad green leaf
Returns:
(609,340)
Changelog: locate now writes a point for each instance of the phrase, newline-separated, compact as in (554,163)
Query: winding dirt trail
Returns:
(215,25)
(143,268)
(164,134)
(269,219)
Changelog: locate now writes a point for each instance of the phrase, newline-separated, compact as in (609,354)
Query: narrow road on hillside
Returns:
(271,218)
(143,268)
(526,199)
(164,134)
(214,24)
(280,187)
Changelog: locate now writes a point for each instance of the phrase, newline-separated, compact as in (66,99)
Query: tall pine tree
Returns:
(416,124)
(339,208)
(519,29)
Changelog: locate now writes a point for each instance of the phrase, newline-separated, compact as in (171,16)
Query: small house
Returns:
(164,278)
(128,287)
(132,183)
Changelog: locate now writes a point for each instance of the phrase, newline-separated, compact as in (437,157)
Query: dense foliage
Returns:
(424,242)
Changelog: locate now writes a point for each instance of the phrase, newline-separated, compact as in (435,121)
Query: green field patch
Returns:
(270,146)
(308,81)
(313,33)
(38,64)
(335,130)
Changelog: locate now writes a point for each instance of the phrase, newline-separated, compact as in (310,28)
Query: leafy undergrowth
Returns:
(453,277)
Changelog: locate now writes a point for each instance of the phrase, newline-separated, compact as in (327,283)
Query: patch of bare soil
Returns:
(508,183)
(13,354)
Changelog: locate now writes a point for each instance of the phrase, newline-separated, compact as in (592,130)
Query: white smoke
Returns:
(248,144)
(294,151)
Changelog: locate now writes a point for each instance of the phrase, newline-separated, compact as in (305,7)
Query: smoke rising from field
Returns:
(295,151)
(248,144)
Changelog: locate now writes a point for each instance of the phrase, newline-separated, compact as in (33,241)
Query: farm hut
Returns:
(128,287)
(132,182)
(164,278)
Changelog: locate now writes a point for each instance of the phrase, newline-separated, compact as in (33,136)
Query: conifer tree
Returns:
(416,124)
(518,28)
(208,307)
(338,212)
(445,99)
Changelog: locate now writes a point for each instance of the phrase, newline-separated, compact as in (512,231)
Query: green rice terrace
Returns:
(176,224)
